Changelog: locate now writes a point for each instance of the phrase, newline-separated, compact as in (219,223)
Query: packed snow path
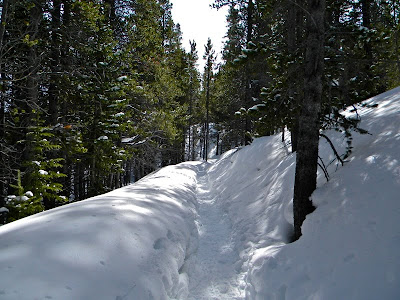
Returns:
(215,273)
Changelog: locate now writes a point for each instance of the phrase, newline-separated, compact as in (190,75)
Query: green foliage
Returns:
(360,60)
(97,93)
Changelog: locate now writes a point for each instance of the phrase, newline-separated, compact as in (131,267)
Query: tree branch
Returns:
(333,148)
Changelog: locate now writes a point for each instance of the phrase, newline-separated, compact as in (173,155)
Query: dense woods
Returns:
(96,94)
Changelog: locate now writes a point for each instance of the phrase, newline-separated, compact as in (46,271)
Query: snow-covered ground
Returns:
(220,230)
(131,243)
(214,271)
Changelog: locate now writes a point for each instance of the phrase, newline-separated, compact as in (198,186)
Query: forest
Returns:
(97,94)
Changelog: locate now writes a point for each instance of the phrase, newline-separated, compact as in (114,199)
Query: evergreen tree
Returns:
(230,83)
(193,90)
(93,94)
(209,57)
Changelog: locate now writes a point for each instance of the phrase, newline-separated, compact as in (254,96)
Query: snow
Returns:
(43,172)
(214,263)
(128,139)
(120,114)
(221,229)
(257,106)
(4,210)
(122,78)
(130,242)
(29,194)
(18,198)
(350,248)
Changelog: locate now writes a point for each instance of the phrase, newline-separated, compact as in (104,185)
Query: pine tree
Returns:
(209,57)
(193,90)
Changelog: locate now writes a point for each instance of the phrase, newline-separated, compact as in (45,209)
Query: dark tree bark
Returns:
(292,30)
(209,56)
(247,92)
(307,146)
(207,125)
(55,62)
(366,19)
(366,6)
(3,172)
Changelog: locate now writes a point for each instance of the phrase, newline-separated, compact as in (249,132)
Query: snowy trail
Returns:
(214,276)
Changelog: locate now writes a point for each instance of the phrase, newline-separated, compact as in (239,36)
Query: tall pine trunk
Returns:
(292,29)
(3,102)
(307,146)
(207,125)
(247,92)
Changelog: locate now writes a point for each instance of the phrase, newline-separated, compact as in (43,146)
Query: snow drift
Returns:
(350,248)
(130,243)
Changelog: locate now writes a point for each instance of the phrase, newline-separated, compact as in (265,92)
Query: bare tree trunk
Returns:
(3,172)
(307,151)
(247,93)
(366,21)
(207,137)
(193,154)
(292,28)
(55,62)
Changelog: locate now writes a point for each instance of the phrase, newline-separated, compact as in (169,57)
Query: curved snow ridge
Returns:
(130,243)
(350,248)
(255,191)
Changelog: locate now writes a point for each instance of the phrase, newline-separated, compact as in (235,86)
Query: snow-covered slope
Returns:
(220,230)
(350,248)
(131,243)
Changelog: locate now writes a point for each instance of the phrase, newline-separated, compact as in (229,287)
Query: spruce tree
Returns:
(209,57)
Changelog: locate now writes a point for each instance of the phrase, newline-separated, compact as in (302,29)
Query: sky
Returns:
(198,22)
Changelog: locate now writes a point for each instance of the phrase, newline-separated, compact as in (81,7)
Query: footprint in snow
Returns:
(160,243)
(349,257)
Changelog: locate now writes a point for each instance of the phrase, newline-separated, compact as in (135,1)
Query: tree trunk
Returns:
(247,93)
(292,30)
(3,22)
(55,62)
(307,146)
(366,21)
(207,137)
(193,153)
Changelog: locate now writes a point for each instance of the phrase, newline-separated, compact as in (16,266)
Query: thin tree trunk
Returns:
(55,62)
(3,22)
(396,38)
(193,143)
(307,151)
(366,19)
(292,30)
(247,94)
(207,116)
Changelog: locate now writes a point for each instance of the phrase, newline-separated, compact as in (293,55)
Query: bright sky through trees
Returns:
(198,22)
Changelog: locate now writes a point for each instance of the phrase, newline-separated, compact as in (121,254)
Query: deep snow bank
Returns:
(350,248)
(126,244)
